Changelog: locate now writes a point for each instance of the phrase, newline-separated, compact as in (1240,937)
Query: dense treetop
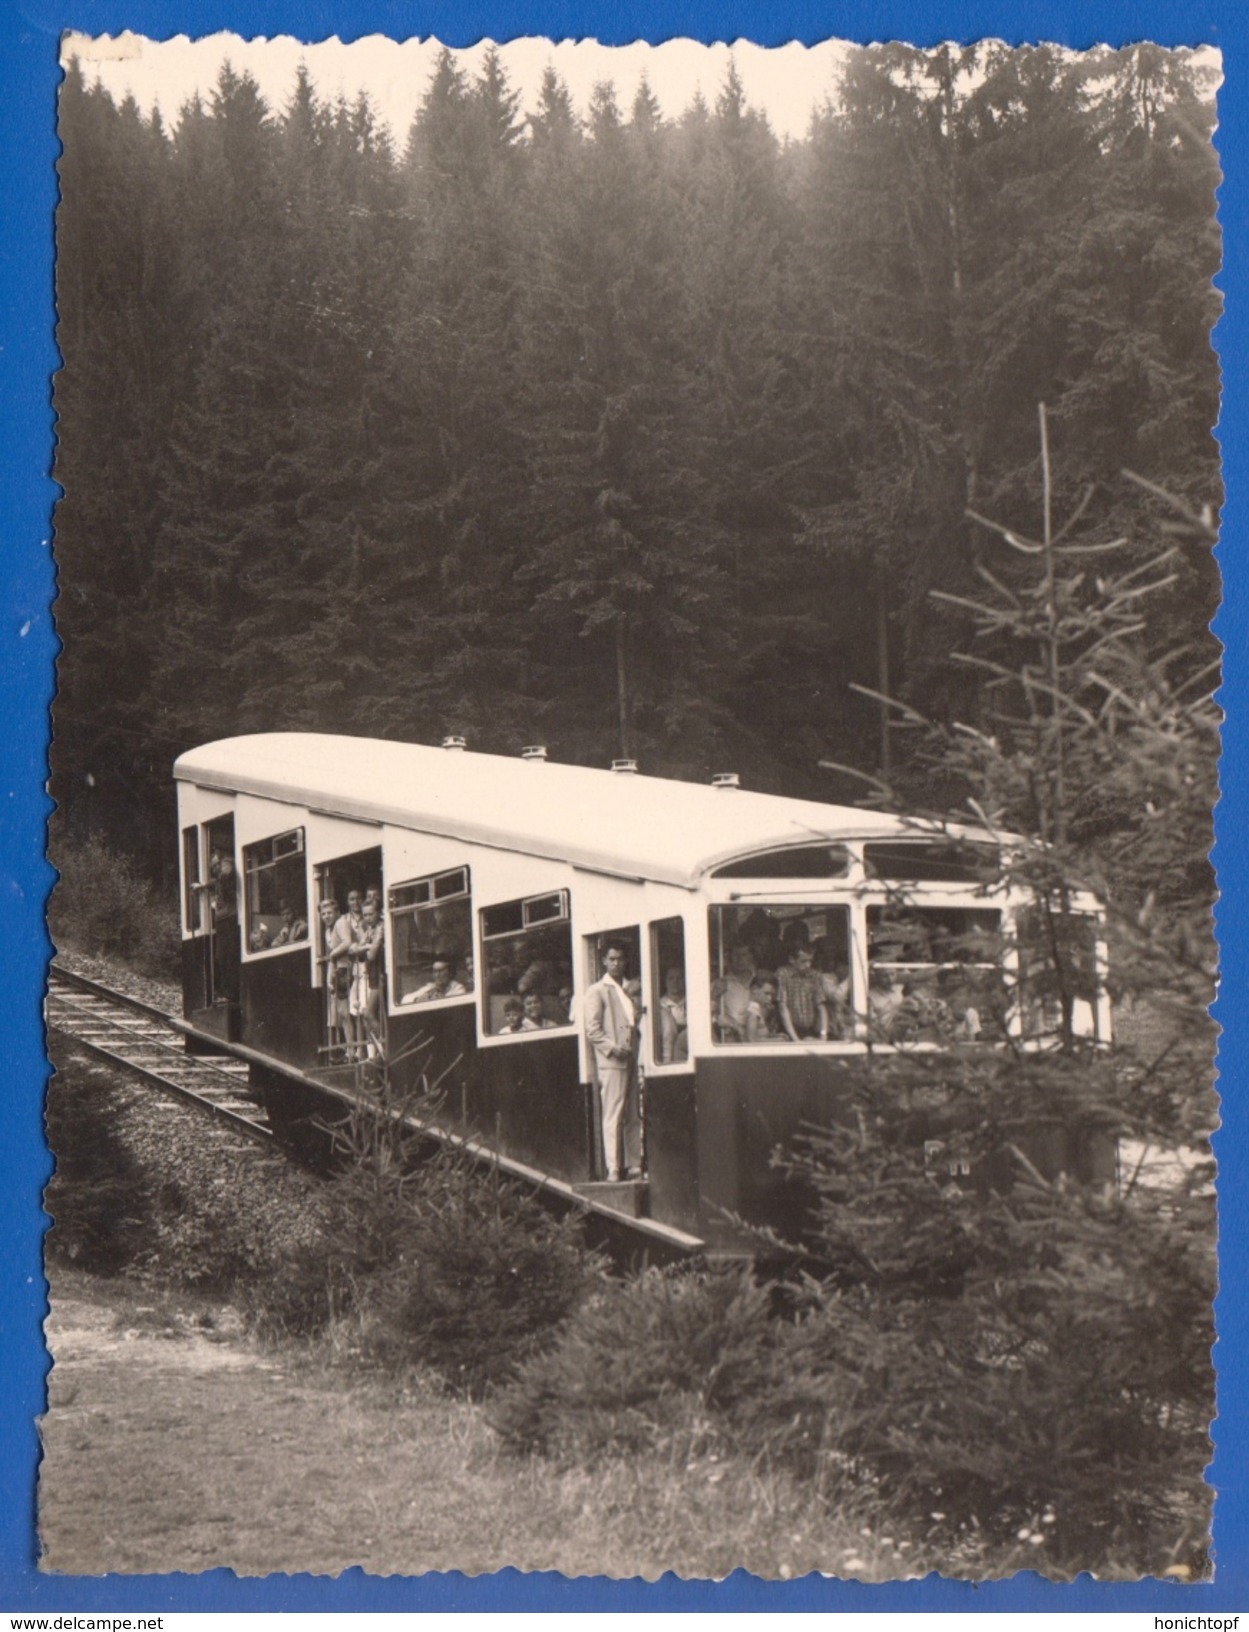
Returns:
(616,433)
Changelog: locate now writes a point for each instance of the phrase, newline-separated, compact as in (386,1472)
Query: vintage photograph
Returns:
(634,760)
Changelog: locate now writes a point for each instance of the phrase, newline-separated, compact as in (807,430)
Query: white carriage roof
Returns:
(633,826)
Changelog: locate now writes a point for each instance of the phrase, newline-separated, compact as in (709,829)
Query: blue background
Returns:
(28,150)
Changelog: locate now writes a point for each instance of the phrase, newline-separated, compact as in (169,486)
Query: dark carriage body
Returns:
(499,886)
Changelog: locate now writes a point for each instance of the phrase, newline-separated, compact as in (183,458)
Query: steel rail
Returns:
(86,1021)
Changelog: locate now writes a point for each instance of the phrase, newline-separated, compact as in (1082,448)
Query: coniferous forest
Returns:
(618,433)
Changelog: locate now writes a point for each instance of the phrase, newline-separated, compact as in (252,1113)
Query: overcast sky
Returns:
(786,82)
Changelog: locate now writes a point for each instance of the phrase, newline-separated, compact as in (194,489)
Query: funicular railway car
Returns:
(777,942)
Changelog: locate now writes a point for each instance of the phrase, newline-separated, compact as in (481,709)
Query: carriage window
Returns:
(934,974)
(190,878)
(527,954)
(431,938)
(796,861)
(943,861)
(276,883)
(1058,984)
(671,1039)
(780,973)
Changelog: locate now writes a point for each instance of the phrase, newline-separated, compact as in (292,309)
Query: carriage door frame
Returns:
(211,971)
(365,863)
(197,977)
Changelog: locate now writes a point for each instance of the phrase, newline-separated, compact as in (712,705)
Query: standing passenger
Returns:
(370,956)
(346,933)
(335,1017)
(730,996)
(225,927)
(804,1008)
(611,1031)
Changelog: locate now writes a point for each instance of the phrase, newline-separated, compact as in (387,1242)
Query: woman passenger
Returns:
(346,934)
(835,979)
(335,1013)
(674,1037)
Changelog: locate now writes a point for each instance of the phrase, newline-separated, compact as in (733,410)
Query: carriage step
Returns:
(629,1197)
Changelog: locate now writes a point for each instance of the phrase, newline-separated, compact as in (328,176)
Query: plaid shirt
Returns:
(802,993)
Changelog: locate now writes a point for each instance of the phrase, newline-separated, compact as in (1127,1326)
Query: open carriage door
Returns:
(353,1024)
(211,905)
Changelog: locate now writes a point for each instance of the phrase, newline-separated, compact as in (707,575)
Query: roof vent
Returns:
(624,767)
(726,779)
(457,745)
(536,755)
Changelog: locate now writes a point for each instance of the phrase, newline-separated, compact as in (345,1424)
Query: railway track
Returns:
(151,1045)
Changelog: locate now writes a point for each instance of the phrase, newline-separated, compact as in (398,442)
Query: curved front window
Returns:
(934,974)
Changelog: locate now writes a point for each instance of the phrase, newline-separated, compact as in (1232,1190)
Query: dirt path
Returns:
(174,1443)
(172,1446)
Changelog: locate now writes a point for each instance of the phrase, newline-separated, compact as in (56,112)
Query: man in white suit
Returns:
(611,1024)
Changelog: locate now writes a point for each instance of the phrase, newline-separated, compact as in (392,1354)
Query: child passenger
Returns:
(513,1017)
(763,1019)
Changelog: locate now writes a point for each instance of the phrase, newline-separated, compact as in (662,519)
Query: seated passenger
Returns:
(292,929)
(535,1018)
(258,940)
(730,996)
(763,1017)
(513,1017)
(564,999)
(969,1025)
(927,1014)
(804,1008)
(444,983)
(674,1037)
(886,1008)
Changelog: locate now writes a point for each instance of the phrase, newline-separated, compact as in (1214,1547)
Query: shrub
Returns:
(1023,1357)
(676,1362)
(230,1230)
(439,1261)
(98,1194)
(103,904)
(481,1276)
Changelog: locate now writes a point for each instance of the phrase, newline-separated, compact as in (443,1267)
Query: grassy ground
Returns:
(174,1443)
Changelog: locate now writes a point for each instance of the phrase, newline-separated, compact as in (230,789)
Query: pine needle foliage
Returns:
(667,1362)
(1035,1341)
(436,1259)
